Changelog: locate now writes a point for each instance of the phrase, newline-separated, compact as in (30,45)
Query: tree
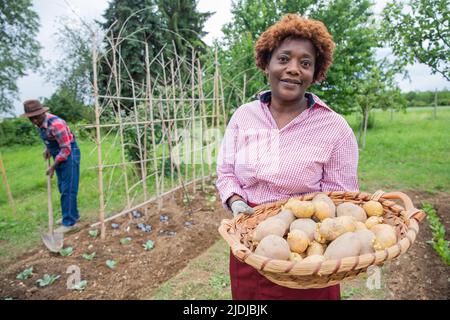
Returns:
(154,22)
(66,105)
(419,30)
(19,50)
(73,71)
(351,24)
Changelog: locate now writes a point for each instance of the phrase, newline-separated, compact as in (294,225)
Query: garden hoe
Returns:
(52,240)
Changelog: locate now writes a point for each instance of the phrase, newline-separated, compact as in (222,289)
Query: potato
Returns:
(301,209)
(366,238)
(373,208)
(324,207)
(373,221)
(315,248)
(285,215)
(272,225)
(351,209)
(360,226)
(329,229)
(346,245)
(314,258)
(274,247)
(385,236)
(323,210)
(298,241)
(294,256)
(306,225)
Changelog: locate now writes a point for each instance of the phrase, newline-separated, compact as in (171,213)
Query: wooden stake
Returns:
(8,190)
(98,139)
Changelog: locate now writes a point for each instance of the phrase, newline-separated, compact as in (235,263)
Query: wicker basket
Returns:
(238,232)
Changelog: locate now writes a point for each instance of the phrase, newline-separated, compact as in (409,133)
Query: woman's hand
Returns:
(239,206)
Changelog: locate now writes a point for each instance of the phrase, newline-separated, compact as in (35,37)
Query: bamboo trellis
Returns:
(167,123)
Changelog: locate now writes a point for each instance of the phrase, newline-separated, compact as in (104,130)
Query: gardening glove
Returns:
(240,206)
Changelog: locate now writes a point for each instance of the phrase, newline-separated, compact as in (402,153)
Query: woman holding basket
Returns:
(286,143)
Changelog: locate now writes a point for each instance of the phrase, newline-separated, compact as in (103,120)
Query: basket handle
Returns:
(239,250)
(411,211)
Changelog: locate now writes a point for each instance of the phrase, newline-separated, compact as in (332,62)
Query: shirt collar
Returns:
(44,124)
(313,100)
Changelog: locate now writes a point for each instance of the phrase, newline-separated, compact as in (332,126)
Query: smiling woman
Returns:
(286,143)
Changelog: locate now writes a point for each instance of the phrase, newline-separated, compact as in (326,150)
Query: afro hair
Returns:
(295,26)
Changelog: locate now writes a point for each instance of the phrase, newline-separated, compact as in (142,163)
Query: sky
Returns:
(35,85)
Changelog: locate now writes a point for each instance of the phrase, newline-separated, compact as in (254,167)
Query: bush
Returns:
(18,131)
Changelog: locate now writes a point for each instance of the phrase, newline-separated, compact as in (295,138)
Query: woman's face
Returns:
(291,69)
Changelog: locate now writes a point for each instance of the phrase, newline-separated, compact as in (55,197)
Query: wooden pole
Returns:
(8,190)
(98,139)
(203,125)
(116,75)
(152,125)
(435,105)
(193,119)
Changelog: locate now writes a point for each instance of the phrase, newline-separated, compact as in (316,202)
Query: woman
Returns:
(286,143)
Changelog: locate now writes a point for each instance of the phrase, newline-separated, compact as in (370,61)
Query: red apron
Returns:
(248,284)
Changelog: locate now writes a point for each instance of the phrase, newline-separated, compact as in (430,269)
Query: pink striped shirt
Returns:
(316,151)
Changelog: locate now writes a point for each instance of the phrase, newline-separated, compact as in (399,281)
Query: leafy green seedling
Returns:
(80,286)
(126,240)
(88,256)
(66,251)
(93,233)
(47,280)
(25,274)
(111,263)
(149,245)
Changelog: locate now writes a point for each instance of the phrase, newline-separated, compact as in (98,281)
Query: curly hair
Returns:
(292,25)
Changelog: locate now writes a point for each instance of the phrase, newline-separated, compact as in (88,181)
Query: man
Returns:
(60,143)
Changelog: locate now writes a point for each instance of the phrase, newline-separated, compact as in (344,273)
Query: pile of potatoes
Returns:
(318,230)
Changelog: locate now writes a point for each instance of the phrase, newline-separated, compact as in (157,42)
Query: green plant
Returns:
(80,286)
(66,251)
(111,264)
(47,280)
(126,240)
(149,245)
(438,241)
(88,256)
(93,233)
(348,294)
(25,274)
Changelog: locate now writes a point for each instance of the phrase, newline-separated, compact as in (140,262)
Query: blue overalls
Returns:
(68,174)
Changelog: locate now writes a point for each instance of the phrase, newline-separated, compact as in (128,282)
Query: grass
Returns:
(410,152)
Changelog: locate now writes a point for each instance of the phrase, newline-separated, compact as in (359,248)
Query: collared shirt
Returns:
(59,131)
(316,151)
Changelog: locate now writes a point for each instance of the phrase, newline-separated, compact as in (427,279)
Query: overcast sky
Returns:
(35,86)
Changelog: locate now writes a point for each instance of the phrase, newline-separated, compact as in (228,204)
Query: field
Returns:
(408,153)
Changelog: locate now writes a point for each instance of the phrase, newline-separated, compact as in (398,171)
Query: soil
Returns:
(420,273)
(178,240)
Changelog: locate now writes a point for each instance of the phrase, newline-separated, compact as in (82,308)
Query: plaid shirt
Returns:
(316,151)
(59,131)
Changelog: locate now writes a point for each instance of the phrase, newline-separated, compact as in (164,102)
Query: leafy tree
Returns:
(419,30)
(73,71)
(19,50)
(66,105)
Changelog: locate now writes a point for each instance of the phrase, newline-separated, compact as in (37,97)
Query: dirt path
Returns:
(418,274)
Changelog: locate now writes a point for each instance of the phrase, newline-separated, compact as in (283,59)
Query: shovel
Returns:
(53,240)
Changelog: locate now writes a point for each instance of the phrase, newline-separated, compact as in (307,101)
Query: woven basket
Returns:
(238,233)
